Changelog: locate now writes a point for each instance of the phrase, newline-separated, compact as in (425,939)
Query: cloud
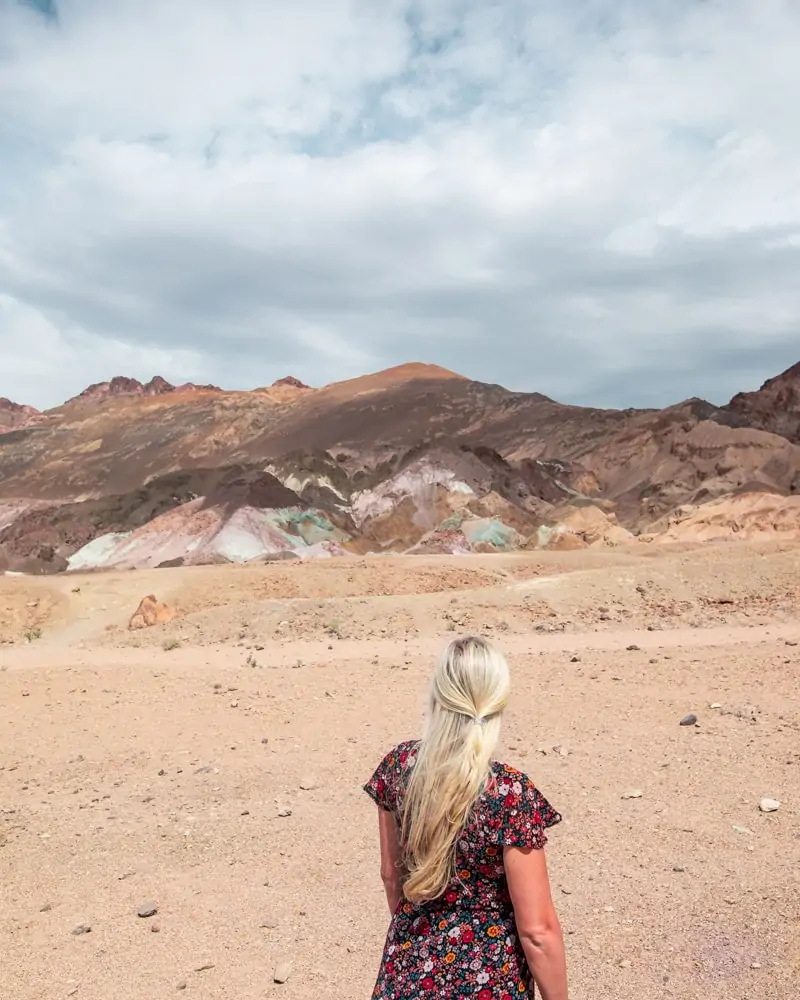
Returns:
(590,199)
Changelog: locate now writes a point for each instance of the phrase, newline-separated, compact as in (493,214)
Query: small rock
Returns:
(755,965)
(769,805)
(715,704)
(626,963)
(182,985)
(742,829)
(561,750)
(155,928)
(678,868)
(633,648)
(282,972)
(46,908)
(234,704)
(147,910)
(307,784)
(575,659)
(633,793)
(204,968)
(689,720)
(81,929)
(265,740)
(284,812)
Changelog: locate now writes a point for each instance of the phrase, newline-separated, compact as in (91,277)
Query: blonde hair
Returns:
(469,690)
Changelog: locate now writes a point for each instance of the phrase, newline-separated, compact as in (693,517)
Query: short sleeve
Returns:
(382,786)
(526,813)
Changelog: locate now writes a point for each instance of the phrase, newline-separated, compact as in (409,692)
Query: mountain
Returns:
(414,458)
(775,407)
(122,386)
(14,416)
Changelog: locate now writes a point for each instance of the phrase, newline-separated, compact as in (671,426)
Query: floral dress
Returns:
(463,944)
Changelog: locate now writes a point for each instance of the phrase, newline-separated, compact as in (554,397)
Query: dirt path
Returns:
(131,774)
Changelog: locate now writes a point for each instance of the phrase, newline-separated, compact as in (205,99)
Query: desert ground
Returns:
(210,768)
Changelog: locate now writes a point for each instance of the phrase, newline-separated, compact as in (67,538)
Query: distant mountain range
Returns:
(414,458)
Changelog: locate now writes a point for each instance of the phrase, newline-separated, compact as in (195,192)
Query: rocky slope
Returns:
(415,458)
(775,407)
(15,416)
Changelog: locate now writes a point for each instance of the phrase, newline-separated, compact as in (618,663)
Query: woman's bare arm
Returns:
(390,858)
(537,923)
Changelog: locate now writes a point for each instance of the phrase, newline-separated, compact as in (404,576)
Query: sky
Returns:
(594,199)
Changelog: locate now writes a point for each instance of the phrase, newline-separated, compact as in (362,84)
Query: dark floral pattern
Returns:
(465,943)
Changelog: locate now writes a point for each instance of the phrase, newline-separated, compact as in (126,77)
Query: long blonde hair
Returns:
(469,690)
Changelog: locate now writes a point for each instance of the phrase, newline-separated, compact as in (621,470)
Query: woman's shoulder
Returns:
(401,756)
(502,771)
(404,754)
(516,795)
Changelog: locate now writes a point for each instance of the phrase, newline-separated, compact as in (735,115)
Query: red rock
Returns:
(151,612)
(15,416)
(290,380)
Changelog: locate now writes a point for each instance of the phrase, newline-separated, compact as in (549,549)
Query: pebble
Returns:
(769,805)
(284,812)
(182,985)
(81,929)
(633,648)
(626,963)
(633,793)
(282,972)
(46,908)
(147,910)
(307,784)
(742,829)
(715,704)
(575,659)
(678,868)
(689,720)
(755,965)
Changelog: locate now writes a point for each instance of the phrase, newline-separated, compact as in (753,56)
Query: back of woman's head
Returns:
(469,690)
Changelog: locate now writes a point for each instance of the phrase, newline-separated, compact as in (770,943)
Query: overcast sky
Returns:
(595,199)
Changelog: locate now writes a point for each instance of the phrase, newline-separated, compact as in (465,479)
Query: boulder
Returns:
(151,612)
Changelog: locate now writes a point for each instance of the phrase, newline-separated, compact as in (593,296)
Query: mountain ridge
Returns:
(400,434)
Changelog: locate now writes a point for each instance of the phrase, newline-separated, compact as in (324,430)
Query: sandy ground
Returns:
(153,767)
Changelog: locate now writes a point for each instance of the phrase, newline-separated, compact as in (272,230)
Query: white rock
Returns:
(282,972)
(769,805)
(634,793)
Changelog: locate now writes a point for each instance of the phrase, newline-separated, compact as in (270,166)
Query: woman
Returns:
(462,857)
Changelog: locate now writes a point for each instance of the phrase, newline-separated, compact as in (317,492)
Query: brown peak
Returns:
(9,406)
(121,385)
(289,380)
(412,371)
(790,375)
